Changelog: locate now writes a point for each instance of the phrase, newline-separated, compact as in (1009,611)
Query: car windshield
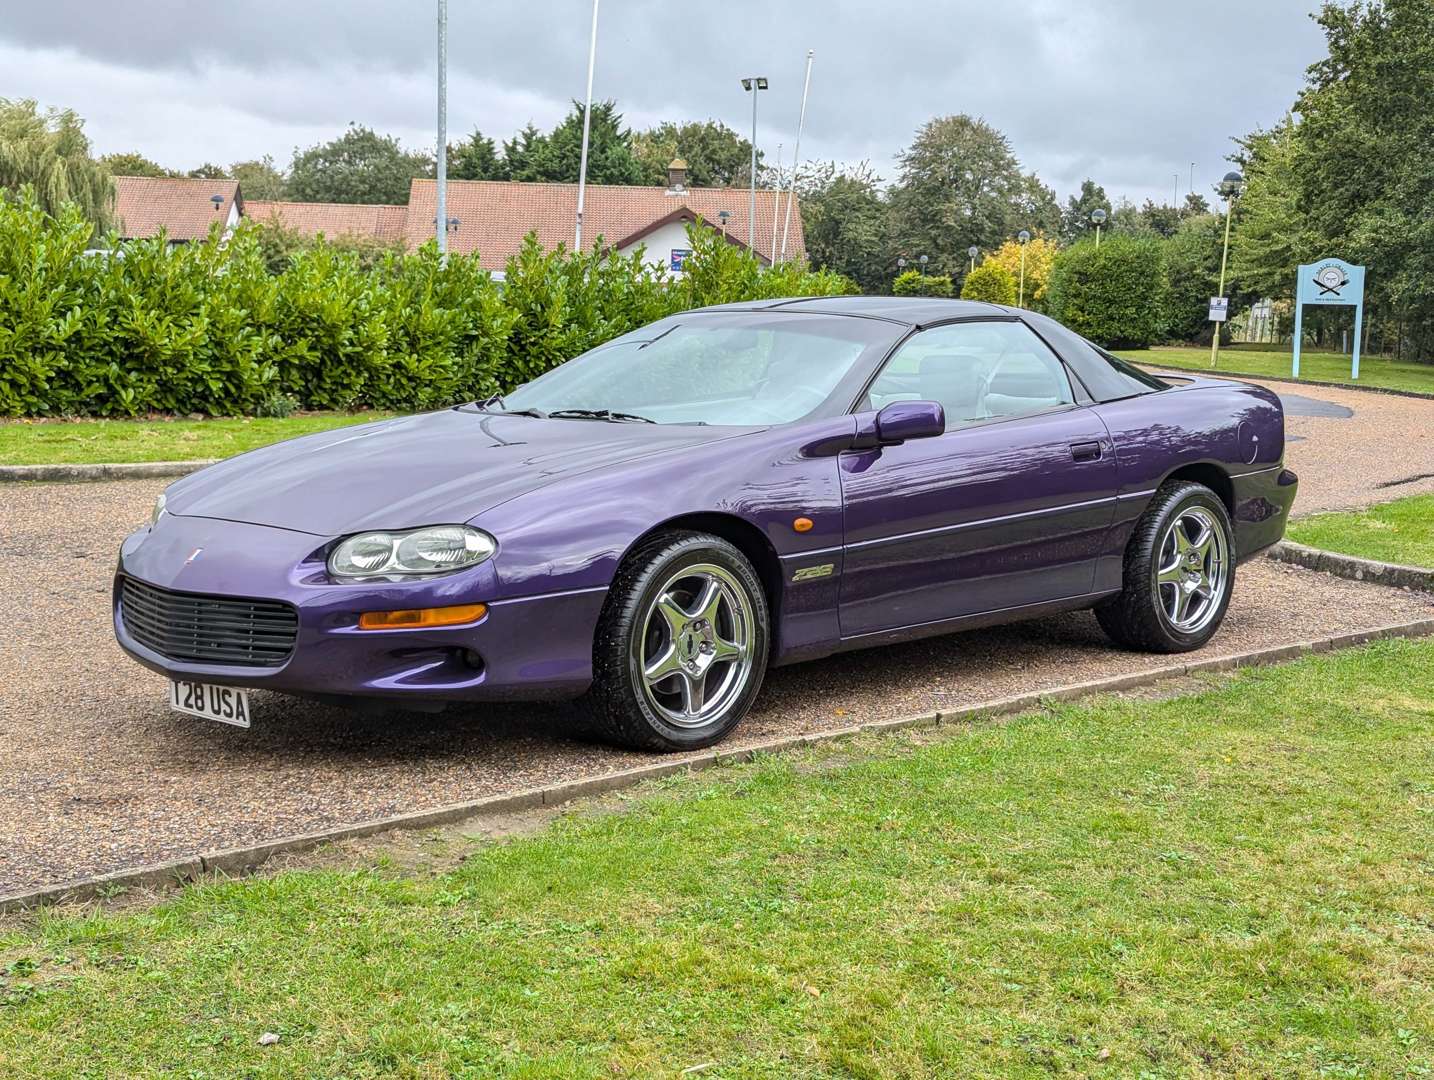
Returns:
(747,368)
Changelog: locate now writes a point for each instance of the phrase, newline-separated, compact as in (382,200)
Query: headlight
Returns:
(434,550)
(154,515)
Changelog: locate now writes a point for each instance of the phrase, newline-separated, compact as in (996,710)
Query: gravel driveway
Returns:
(99,775)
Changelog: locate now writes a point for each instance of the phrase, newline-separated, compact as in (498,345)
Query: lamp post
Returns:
(1232,187)
(752,85)
(1025,238)
(587,127)
(1097,217)
(971,253)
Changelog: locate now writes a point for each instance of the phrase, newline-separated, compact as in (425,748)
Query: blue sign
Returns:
(1329,282)
(679,256)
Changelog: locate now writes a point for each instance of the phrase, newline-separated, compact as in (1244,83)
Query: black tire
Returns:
(619,707)
(1139,616)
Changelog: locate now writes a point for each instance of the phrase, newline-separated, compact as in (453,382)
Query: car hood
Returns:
(430,469)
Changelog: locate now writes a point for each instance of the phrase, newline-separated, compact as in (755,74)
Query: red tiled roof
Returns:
(333,219)
(495,215)
(182,208)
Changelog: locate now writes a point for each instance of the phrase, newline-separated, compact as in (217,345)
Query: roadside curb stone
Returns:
(242,860)
(139,470)
(1356,569)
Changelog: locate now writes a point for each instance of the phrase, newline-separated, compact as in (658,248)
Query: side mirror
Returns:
(902,420)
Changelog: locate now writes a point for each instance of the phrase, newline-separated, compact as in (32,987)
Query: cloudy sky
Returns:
(1130,92)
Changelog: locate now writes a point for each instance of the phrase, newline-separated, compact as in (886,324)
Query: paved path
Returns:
(99,775)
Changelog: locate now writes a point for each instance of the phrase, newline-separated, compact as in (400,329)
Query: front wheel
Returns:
(1179,573)
(681,647)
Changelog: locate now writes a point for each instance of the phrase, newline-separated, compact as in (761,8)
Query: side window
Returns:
(977,371)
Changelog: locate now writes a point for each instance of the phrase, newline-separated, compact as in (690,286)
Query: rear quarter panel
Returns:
(1238,428)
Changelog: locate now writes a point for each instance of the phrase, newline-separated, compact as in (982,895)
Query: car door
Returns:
(1007,509)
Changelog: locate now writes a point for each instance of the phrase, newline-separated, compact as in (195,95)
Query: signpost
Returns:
(1219,309)
(678,259)
(1330,282)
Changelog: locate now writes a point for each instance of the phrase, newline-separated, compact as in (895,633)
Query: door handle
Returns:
(1085,451)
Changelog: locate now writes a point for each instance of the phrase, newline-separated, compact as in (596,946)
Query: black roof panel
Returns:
(911,310)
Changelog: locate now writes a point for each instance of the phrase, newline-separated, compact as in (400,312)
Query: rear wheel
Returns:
(1179,573)
(681,647)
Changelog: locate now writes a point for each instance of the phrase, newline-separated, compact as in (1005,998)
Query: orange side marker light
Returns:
(420,618)
(803,524)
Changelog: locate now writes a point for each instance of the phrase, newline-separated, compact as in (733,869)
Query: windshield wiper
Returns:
(497,399)
(601,414)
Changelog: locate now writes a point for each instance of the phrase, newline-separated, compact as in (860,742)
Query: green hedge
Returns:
(1116,294)
(208,328)
(915,283)
(991,283)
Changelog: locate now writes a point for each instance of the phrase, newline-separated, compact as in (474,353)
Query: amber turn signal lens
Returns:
(418,618)
(803,524)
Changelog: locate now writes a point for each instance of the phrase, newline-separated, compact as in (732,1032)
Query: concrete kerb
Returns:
(141,470)
(1393,575)
(241,860)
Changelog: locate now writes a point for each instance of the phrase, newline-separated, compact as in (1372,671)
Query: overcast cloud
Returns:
(1129,92)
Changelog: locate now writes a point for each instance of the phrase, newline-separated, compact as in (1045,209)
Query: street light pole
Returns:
(1098,216)
(440,222)
(1231,187)
(587,127)
(1025,238)
(971,253)
(752,85)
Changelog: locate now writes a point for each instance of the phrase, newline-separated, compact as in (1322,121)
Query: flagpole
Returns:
(587,127)
(796,154)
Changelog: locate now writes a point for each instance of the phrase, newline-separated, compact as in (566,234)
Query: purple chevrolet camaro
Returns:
(653,524)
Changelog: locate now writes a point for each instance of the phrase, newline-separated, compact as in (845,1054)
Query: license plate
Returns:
(227,704)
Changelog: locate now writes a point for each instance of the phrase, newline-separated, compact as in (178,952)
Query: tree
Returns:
(1195,205)
(1036,208)
(476,158)
(1040,255)
(132,164)
(1273,238)
(360,166)
(846,223)
(1192,264)
(1160,219)
(1363,155)
(991,283)
(1075,218)
(716,155)
(556,156)
(49,152)
(209,171)
(260,179)
(960,185)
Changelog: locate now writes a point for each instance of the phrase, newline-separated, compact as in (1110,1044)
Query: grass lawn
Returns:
(1321,367)
(1399,532)
(1235,883)
(56,442)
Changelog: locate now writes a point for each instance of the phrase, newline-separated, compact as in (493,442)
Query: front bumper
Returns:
(525,648)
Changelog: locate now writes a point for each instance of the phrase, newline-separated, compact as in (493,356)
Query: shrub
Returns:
(990,283)
(915,283)
(209,328)
(1116,294)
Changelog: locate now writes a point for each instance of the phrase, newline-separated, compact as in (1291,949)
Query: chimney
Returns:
(677,177)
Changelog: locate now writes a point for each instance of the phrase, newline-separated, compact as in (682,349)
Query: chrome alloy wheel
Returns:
(1193,569)
(696,655)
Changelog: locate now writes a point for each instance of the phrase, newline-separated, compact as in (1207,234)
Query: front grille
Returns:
(208,629)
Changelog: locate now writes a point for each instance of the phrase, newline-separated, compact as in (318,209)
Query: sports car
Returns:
(652,525)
